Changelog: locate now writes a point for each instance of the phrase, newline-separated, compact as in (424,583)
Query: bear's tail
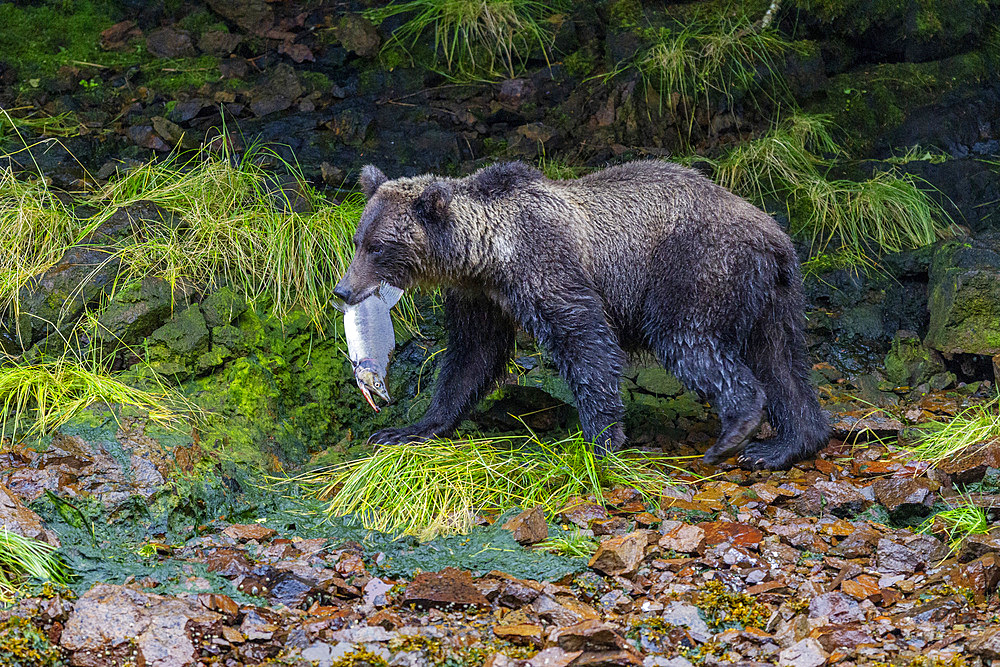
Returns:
(777,355)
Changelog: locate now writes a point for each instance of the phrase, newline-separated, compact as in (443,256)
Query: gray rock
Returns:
(161,627)
(357,34)
(837,607)
(682,613)
(806,653)
(170,43)
(324,655)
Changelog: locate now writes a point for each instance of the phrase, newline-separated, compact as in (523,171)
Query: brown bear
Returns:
(647,255)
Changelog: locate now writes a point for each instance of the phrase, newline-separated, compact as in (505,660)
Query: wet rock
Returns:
(859,544)
(980,576)
(244,532)
(364,634)
(986,644)
(528,527)
(836,607)
(300,53)
(358,35)
(844,636)
(805,653)
(515,92)
(276,90)
(581,513)
(260,624)
(970,465)
(161,629)
(136,311)
(17,518)
(621,554)
(519,633)
(119,36)
(866,426)
(170,43)
(447,588)
(681,537)
(905,496)
(84,273)
(554,657)
(350,125)
(220,603)
(293,591)
(144,136)
(376,593)
(964,299)
(253,16)
(892,557)
(218,43)
(736,534)
(71,464)
(939,612)
(587,636)
(975,546)
(838,498)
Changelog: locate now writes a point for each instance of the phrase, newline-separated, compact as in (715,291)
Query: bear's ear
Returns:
(432,204)
(371,178)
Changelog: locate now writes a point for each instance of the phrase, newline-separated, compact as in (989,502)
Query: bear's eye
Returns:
(376,248)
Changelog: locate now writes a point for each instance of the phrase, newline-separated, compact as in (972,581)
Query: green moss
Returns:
(580,63)
(723,609)
(171,76)
(40,38)
(24,645)
(874,102)
(315,82)
(625,14)
(200,21)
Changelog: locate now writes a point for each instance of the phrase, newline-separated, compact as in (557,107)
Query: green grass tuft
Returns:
(887,212)
(959,437)
(570,542)
(475,38)
(708,58)
(23,558)
(46,395)
(438,486)
(36,227)
(958,523)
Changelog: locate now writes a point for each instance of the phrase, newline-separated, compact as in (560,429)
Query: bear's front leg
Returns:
(480,343)
(572,326)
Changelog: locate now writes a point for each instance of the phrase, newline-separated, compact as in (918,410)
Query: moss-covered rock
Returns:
(915,31)
(136,311)
(910,362)
(964,299)
(874,102)
(175,347)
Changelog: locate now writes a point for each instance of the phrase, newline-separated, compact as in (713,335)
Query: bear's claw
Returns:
(404,435)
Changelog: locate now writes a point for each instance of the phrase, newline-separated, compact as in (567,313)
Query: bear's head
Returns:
(395,236)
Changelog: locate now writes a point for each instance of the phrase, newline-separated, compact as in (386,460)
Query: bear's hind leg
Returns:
(575,331)
(730,387)
(480,343)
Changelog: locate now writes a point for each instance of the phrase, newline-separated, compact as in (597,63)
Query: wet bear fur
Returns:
(647,255)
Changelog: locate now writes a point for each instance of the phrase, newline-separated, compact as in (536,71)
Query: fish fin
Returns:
(389,294)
